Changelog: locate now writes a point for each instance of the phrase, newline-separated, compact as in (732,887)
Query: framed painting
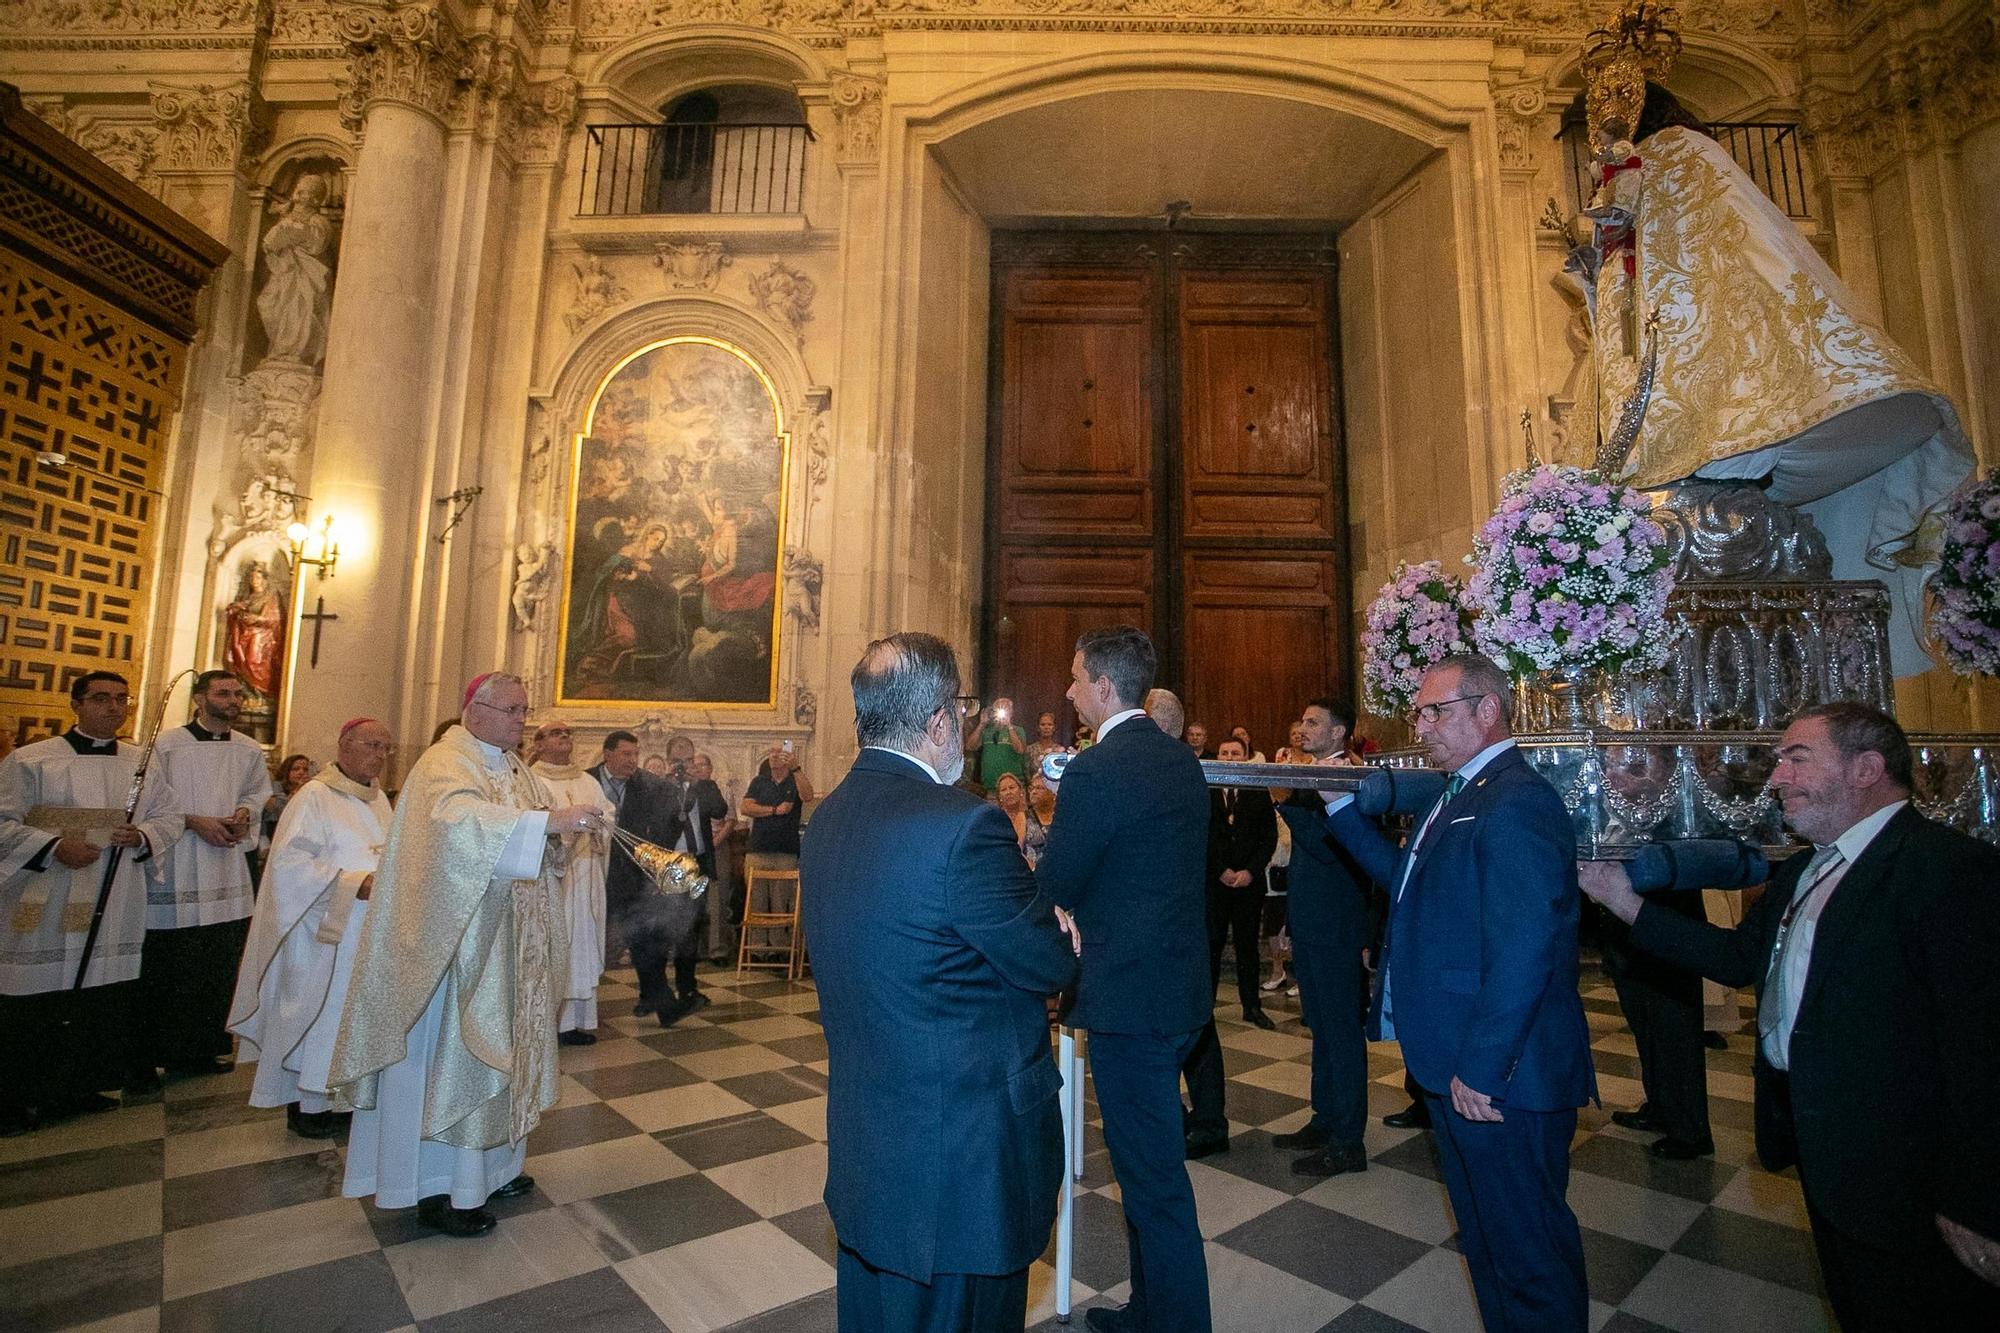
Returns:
(677,521)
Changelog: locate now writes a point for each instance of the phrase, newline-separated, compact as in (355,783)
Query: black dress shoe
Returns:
(311,1124)
(1206,1145)
(514,1188)
(577,1037)
(1413,1116)
(91,1103)
(1260,1019)
(1641,1120)
(673,1011)
(641,1009)
(142,1082)
(1307,1139)
(1714,1040)
(437,1213)
(1105,1319)
(1680,1150)
(693,1002)
(1336,1159)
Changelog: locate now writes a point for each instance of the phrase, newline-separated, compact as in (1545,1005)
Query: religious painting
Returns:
(253,591)
(670,594)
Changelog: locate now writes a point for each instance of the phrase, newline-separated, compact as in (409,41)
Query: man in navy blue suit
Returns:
(1478,980)
(1128,853)
(934,954)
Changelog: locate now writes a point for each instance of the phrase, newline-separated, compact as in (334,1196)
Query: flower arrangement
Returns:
(1417,618)
(1571,574)
(1965,591)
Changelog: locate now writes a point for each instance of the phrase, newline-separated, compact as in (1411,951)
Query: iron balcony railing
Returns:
(1768,150)
(705,168)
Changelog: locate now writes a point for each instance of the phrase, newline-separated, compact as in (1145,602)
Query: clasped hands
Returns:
(218,831)
(76,851)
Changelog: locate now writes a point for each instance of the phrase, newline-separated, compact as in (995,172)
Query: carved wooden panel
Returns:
(1075,429)
(1264,634)
(1050,596)
(83,380)
(1259,448)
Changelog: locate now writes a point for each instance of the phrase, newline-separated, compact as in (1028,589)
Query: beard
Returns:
(952,767)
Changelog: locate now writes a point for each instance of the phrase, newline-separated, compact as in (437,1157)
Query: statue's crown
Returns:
(1639,46)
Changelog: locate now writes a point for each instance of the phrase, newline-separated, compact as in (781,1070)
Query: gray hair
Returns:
(493,681)
(900,684)
(1164,707)
(1477,674)
(1856,728)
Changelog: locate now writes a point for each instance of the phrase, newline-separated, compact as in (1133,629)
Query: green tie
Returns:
(1452,788)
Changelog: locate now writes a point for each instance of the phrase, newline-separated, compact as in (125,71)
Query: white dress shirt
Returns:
(1117,720)
(900,754)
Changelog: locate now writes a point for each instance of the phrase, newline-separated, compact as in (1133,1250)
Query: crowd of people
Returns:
(411,970)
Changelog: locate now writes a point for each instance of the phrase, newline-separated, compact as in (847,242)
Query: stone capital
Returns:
(204,128)
(857,113)
(412,55)
(539,119)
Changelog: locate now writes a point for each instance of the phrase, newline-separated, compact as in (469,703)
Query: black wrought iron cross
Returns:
(319,616)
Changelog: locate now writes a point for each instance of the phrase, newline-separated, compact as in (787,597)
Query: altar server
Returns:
(62,804)
(310,906)
(199,901)
(582,879)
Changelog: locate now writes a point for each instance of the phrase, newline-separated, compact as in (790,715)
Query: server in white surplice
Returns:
(62,806)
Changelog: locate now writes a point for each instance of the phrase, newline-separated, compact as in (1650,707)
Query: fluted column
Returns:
(371,468)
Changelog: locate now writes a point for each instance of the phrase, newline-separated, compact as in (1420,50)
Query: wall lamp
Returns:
(325,549)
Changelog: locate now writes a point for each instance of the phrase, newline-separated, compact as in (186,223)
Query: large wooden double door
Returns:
(1164,450)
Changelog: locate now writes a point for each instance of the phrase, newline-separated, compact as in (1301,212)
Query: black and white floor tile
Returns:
(678,1185)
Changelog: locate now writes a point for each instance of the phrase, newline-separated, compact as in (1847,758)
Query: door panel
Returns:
(1266,629)
(1050,597)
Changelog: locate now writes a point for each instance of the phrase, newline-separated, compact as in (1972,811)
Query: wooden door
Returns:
(1165,451)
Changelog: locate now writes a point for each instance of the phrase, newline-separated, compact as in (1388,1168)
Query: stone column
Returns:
(371,468)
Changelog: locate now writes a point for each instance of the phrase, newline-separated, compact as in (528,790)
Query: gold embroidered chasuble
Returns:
(498,946)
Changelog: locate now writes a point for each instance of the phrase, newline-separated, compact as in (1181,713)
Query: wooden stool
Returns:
(758,869)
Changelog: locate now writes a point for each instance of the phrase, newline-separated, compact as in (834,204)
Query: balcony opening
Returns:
(730,149)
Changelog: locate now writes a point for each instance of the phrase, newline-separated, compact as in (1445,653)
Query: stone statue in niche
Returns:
(298,289)
(535,565)
(597,290)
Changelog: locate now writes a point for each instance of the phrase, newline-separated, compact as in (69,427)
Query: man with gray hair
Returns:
(933,954)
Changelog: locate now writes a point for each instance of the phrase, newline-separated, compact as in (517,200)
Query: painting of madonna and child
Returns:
(672,577)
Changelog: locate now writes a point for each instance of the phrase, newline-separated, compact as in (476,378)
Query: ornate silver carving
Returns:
(1734,530)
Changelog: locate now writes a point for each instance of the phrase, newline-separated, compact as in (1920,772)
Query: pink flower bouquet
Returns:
(1965,590)
(1417,618)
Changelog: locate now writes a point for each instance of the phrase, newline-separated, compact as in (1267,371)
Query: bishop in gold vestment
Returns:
(447,1043)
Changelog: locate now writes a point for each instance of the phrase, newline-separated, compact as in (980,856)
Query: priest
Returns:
(586,855)
(447,1043)
(314,896)
(62,807)
(199,900)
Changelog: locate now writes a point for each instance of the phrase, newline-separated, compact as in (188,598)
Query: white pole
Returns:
(1070,1100)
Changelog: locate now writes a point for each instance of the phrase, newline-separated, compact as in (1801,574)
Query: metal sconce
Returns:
(323,540)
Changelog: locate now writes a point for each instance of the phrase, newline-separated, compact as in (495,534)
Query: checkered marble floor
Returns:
(678,1186)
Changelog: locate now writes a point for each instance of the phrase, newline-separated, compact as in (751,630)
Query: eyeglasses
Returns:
(518,710)
(1430,713)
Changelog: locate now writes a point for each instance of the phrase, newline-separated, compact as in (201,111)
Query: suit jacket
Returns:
(1327,890)
(647,811)
(1895,1057)
(1480,952)
(1128,854)
(933,953)
(1243,843)
(696,801)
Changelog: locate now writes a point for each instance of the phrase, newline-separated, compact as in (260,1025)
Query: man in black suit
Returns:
(934,954)
(1127,852)
(1663,1007)
(1327,909)
(695,804)
(1878,1023)
(652,926)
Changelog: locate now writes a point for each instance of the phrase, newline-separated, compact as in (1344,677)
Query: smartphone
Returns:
(999,715)
(786,747)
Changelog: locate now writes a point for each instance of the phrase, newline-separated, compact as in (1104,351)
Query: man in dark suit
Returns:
(1663,1007)
(695,803)
(934,954)
(1878,1023)
(1478,980)
(650,925)
(1128,853)
(1327,907)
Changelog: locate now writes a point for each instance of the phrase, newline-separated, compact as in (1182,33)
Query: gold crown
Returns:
(1639,46)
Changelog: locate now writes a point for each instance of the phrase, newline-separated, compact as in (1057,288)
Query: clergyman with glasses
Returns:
(1477,978)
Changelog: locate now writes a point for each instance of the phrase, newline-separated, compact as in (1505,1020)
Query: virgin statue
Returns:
(254,632)
(295,300)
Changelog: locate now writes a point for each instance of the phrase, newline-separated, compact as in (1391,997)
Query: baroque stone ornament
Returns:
(597,290)
(786,295)
(124,16)
(804,575)
(857,115)
(542,115)
(535,567)
(691,266)
(203,127)
(402,53)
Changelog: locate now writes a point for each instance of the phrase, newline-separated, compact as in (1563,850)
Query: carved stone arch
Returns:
(650,69)
(1719,78)
(283,154)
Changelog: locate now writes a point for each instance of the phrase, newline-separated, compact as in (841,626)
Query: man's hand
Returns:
(1069,928)
(1235,879)
(782,808)
(127,836)
(238,824)
(1979,1253)
(1606,883)
(215,832)
(367,887)
(1367,960)
(76,851)
(576,819)
(1476,1106)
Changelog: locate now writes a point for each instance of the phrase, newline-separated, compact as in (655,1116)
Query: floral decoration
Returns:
(1419,616)
(1965,591)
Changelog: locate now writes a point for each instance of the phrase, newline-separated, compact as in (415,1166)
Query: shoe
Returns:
(311,1124)
(514,1188)
(1277,982)
(1259,1018)
(641,1009)
(674,1011)
(1206,1145)
(1336,1159)
(1413,1116)
(1104,1319)
(1680,1150)
(1714,1040)
(18,1120)
(1308,1139)
(1641,1120)
(694,1002)
(143,1083)
(437,1213)
(91,1103)
(204,1068)
(1292,992)
(577,1037)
